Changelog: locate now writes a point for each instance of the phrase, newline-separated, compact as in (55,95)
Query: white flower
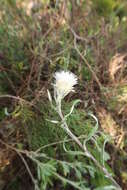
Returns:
(64,83)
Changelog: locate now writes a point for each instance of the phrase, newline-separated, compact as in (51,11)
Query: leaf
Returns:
(94,129)
(109,187)
(17,112)
(105,155)
(38,172)
(72,108)
(74,153)
(6,112)
(78,173)
(91,171)
(20,146)
(47,171)
(49,96)
(66,168)
(52,121)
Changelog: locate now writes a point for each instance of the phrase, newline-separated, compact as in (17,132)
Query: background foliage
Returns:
(37,38)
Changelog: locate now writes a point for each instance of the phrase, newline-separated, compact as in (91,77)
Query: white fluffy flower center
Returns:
(64,83)
(63,86)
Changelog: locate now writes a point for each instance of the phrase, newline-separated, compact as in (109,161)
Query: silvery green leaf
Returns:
(95,141)
(52,121)
(93,131)
(6,112)
(72,108)
(105,155)
(109,187)
(49,96)
(38,172)
(94,117)
(74,153)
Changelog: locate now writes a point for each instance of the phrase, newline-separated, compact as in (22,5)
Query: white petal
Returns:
(64,82)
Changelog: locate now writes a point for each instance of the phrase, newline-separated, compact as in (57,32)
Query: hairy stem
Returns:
(84,148)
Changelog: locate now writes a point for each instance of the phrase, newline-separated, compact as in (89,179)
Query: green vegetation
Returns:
(36,40)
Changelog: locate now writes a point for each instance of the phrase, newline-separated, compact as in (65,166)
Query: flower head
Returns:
(64,83)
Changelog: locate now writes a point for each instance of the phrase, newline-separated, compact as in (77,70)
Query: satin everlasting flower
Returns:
(64,84)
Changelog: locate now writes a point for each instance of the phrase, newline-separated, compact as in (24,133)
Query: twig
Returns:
(21,100)
(16,98)
(76,37)
(49,30)
(20,152)
(27,168)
